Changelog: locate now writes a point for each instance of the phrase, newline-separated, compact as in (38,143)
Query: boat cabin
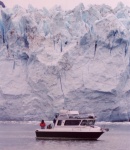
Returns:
(73,118)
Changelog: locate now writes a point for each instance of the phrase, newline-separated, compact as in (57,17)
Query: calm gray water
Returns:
(21,136)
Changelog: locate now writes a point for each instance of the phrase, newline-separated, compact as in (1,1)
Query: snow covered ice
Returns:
(77,59)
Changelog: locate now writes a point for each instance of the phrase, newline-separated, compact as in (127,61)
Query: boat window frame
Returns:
(88,122)
(59,124)
(66,123)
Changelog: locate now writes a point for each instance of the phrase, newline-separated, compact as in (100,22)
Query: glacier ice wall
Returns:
(77,59)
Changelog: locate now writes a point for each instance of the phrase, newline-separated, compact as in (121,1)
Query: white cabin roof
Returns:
(68,112)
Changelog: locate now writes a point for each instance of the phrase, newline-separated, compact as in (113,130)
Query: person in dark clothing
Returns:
(54,121)
(42,124)
(49,126)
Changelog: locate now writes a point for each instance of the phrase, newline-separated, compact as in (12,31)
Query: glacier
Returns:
(77,59)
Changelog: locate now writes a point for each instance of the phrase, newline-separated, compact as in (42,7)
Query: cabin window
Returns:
(84,123)
(91,122)
(59,122)
(72,122)
(87,122)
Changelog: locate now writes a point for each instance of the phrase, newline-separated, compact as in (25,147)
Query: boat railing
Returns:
(74,114)
(75,117)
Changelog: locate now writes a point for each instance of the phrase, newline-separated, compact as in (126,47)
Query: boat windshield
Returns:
(87,122)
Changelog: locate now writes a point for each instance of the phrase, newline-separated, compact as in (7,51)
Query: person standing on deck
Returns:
(42,124)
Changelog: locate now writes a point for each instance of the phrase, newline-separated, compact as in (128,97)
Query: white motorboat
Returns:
(71,125)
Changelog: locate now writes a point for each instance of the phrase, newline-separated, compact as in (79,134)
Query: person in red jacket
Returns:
(42,124)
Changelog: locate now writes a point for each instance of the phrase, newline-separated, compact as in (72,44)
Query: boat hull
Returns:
(68,135)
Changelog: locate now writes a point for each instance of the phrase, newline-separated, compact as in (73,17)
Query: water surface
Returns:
(21,136)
